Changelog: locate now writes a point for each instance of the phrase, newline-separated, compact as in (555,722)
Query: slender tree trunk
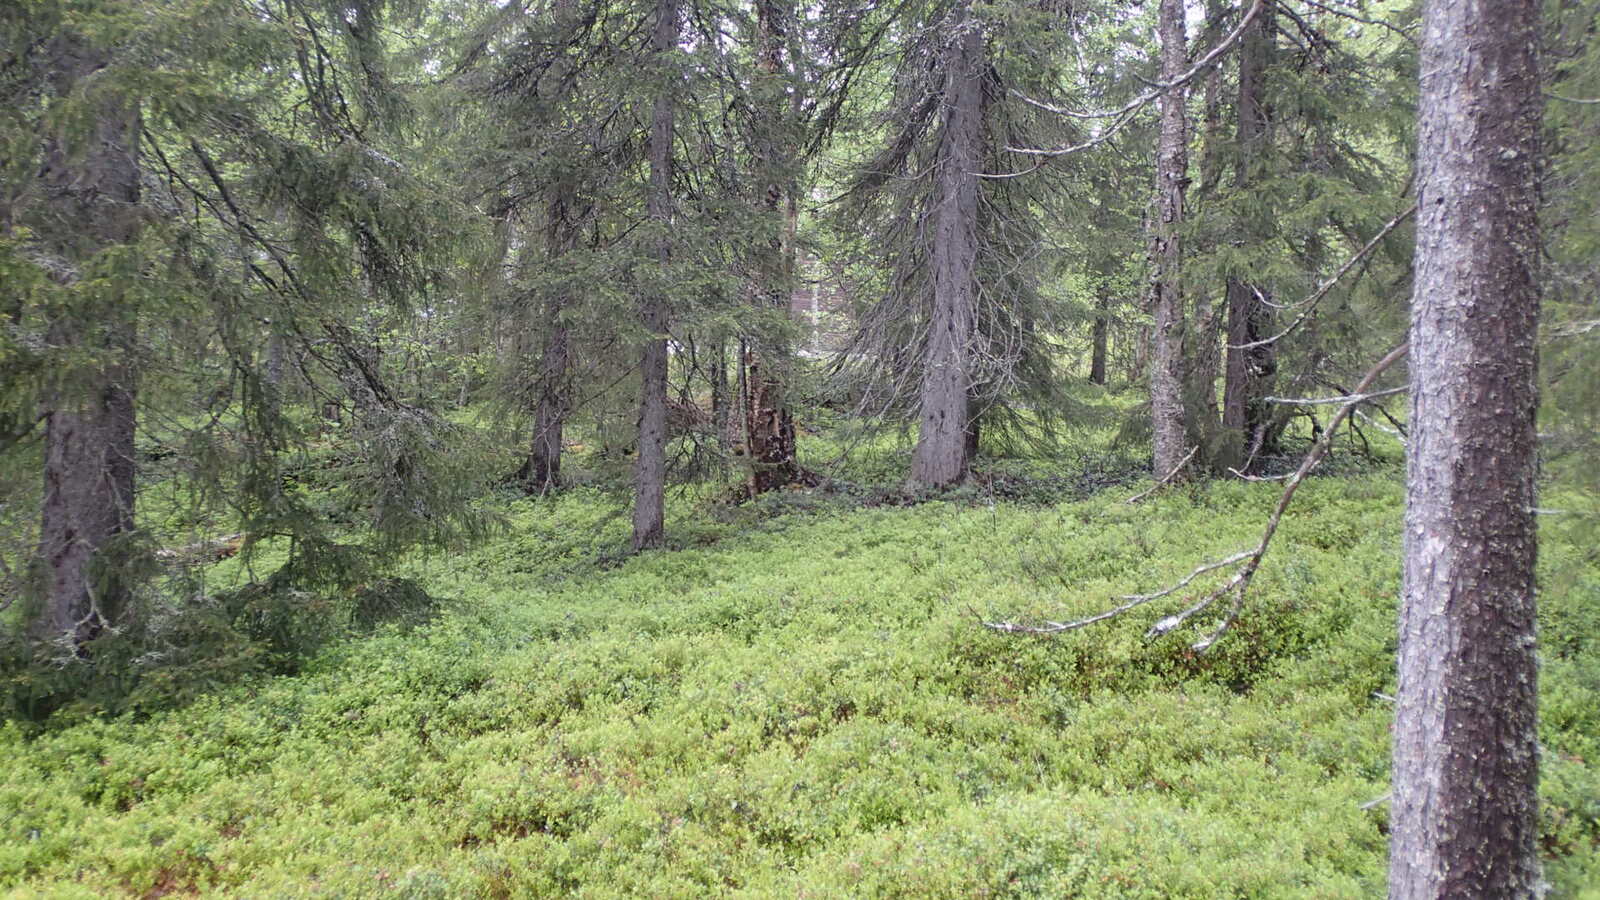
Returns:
(719,392)
(91,185)
(542,471)
(940,457)
(1098,334)
(650,468)
(1172,162)
(1248,372)
(1464,816)
(770,436)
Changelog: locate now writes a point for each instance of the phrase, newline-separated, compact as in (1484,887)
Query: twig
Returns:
(1165,478)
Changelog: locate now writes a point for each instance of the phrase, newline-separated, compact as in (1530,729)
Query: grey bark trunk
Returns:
(1248,372)
(1172,163)
(1465,759)
(92,196)
(770,436)
(940,458)
(650,468)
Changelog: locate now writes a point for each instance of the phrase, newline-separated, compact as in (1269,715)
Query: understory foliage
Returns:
(806,705)
(378,270)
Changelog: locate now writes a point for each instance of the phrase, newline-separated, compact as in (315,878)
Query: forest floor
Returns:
(799,700)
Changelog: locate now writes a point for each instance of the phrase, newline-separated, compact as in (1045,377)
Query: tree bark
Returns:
(650,467)
(1172,162)
(542,471)
(1248,372)
(1465,754)
(91,189)
(1098,334)
(769,424)
(941,455)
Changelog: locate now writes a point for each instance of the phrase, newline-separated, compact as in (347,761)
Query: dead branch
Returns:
(1126,113)
(1249,561)
(1328,401)
(1165,478)
(1311,300)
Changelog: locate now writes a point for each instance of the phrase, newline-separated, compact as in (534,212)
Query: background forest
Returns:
(914,448)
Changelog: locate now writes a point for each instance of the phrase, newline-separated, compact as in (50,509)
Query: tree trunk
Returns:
(940,458)
(769,424)
(1172,162)
(720,418)
(1098,333)
(650,468)
(1465,753)
(1248,372)
(91,185)
(542,471)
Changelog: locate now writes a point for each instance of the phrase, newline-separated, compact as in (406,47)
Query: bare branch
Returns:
(1165,478)
(1322,290)
(1586,101)
(1124,114)
(1345,13)
(1325,401)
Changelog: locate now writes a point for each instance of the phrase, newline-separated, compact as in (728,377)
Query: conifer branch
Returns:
(1124,114)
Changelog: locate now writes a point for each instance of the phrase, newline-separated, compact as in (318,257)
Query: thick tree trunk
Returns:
(1248,372)
(769,424)
(1172,163)
(1465,753)
(650,468)
(940,457)
(91,185)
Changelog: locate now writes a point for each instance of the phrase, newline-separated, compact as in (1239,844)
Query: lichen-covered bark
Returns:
(650,468)
(941,455)
(1172,163)
(1465,760)
(91,196)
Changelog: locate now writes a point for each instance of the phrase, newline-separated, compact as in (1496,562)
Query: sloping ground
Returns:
(810,709)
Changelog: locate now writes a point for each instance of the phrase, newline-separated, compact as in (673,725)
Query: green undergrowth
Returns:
(806,705)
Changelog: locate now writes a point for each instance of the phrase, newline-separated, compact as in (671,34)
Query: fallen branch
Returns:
(1249,561)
